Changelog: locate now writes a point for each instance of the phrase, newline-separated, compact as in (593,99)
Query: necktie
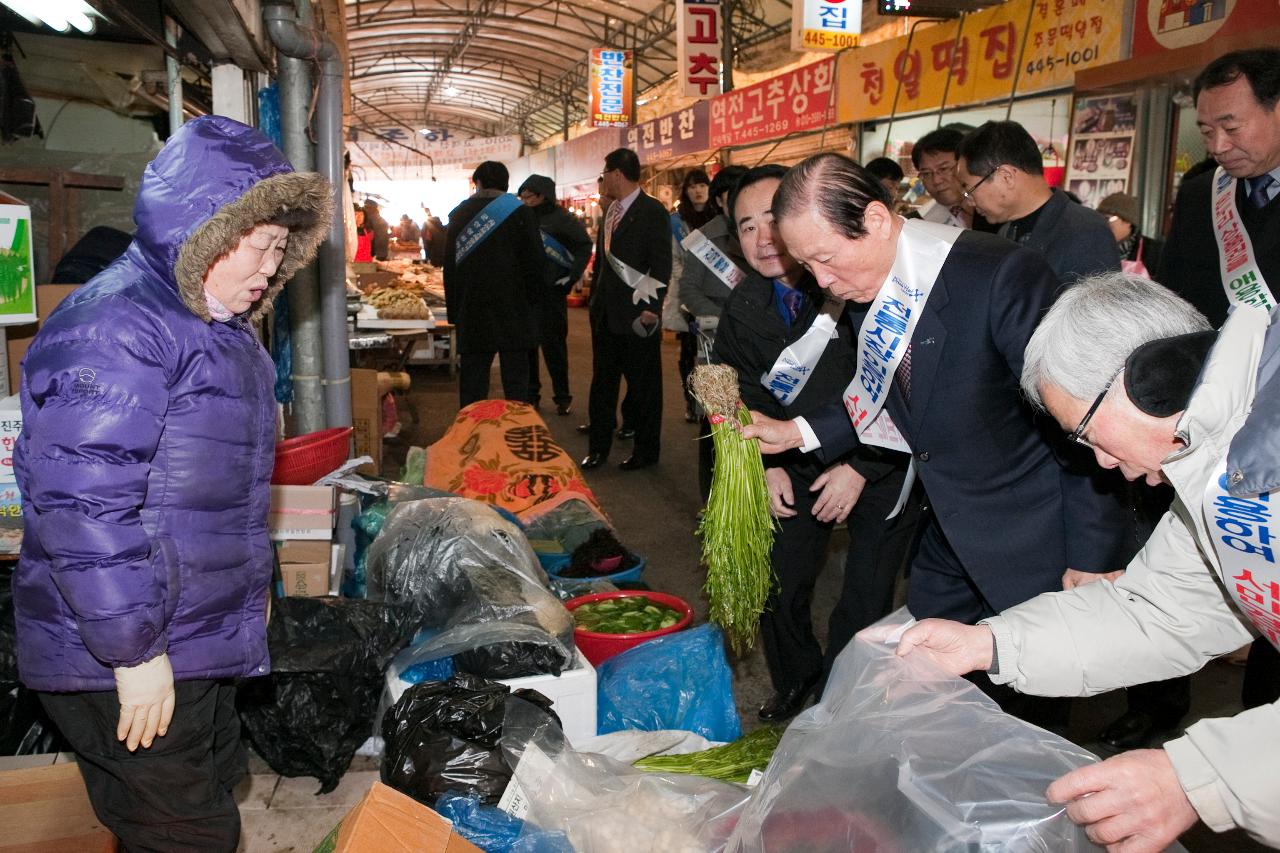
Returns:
(611,222)
(791,301)
(902,376)
(1260,192)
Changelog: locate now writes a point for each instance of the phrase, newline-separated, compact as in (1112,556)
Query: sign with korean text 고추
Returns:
(672,135)
(798,100)
(825,24)
(984,52)
(698,25)
(612,87)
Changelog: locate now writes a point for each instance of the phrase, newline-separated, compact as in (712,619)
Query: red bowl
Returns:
(597,647)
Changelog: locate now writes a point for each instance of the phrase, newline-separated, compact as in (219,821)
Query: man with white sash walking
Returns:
(626,306)
(492,281)
(1129,370)
(943,316)
(1238,111)
(784,338)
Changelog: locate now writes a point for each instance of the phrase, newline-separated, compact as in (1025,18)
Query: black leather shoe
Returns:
(592,460)
(563,409)
(1134,730)
(785,704)
(583,429)
(635,463)
(625,433)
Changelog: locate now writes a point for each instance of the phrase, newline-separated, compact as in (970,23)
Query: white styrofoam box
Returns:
(572,693)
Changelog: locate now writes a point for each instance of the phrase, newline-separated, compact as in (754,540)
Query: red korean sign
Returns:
(698,25)
(797,101)
(1160,25)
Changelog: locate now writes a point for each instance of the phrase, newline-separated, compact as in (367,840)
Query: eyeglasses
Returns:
(940,172)
(968,193)
(1078,436)
(605,172)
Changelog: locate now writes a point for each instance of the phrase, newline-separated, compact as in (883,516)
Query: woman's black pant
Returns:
(174,795)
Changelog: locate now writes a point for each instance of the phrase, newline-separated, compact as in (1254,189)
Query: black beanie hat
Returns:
(1160,375)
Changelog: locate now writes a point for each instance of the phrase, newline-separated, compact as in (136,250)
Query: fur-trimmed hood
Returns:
(215,179)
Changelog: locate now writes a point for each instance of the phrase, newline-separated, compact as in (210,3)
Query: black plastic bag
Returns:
(25,729)
(328,656)
(444,736)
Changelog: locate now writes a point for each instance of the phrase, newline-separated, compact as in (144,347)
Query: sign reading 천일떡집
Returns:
(611,84)
(698,25)
(17,263)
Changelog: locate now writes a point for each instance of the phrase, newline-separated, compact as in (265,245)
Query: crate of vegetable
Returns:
(607,623)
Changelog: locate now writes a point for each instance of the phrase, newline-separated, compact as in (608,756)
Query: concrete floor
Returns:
(654,512)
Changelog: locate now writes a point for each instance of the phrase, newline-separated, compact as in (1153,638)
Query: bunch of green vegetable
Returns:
(737,526)
(732,762)
(632,614)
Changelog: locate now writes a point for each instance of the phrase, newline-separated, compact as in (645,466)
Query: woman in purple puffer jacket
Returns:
(149,427)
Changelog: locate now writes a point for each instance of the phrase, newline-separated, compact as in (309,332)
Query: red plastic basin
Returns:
(597,647)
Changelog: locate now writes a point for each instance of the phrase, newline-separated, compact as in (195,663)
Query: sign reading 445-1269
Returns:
(825,24)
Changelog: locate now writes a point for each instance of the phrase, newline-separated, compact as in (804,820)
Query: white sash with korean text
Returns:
(795,364)
(642,286)
(700,246)
(886,332)
(1241,277)
(1242,529)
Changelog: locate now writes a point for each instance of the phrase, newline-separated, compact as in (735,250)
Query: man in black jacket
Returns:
(567,250)
(377,226)
(492,281)
(634,248)
(1001,172)
(779,309)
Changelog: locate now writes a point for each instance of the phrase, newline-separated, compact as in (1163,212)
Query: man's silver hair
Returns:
(1093,328)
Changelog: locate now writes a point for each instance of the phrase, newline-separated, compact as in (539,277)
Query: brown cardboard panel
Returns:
(18,338)
(366,418)
(47,810)
(387,821)
(304,551)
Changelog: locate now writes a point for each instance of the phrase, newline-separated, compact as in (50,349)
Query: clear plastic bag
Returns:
(473,577)
(900,757)
(605,806)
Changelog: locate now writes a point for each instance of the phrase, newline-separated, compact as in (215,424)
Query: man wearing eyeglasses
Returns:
(1001,173)
(1132,371)
(935,156)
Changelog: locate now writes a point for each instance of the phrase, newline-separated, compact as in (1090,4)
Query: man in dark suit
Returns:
(1001,172)
(492,280)
(1010,519)
(634,245)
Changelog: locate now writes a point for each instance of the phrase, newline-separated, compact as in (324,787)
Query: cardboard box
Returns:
(387,821)
(18,338)
(304,551)
(46,810)
(366,418)
(17,263)
(309,580)
(302,512)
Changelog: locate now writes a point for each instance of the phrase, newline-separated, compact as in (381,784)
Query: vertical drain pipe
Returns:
(173,76)
(303,291)
(308,43)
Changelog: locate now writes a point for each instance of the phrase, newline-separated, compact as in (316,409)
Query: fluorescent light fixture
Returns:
(450,91)
(61,15)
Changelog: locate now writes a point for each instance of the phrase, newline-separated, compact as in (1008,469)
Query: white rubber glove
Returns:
(708,322)
(146,701)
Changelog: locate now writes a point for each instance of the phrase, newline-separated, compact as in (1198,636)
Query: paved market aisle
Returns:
(654,512)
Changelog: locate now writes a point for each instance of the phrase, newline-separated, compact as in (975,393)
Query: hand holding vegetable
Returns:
(773,436)
(781,496)
(841,487)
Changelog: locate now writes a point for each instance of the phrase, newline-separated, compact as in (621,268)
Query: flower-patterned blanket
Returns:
(501,452)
